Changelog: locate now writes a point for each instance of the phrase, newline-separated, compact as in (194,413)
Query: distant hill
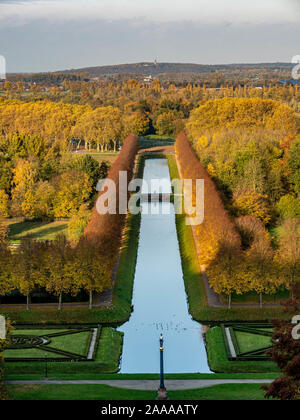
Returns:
(147,68)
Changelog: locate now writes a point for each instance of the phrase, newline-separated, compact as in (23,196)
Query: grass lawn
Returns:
(153,141)
(29,353)
(250,342)
(253,298)
(105,392)
(75,343)
(36,332)
(218,361)
(37,230)
(142,376)
(110,349)
(100,157)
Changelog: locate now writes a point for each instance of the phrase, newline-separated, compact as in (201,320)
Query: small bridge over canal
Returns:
(155,198)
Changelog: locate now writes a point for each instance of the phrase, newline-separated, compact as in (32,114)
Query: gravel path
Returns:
(147,385)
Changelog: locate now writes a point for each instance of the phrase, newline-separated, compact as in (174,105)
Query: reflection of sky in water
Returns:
(159,299)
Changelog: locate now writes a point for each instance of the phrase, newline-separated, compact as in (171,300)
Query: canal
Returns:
(159,298)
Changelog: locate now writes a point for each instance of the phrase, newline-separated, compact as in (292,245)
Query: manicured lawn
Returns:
(250,342)
(36,332)
(29,353)
(218,361)
(142,376)
(253,298)
(75,343)
(104,392)
(153,141)
(100,157)
(37,230)
(110,349)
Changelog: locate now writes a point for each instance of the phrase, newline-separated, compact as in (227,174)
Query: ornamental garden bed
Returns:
(247,341)
(67,350)
(251,340)
(78,344)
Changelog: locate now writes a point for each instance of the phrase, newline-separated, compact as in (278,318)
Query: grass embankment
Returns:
(218,361)
(195,289)
(104,392)
(107,358)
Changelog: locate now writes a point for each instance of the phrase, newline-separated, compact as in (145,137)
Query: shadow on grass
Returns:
(38,230)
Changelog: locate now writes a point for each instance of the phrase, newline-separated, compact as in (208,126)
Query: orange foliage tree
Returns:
(105,230)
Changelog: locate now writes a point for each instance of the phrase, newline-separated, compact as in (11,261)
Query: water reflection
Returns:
(159,297)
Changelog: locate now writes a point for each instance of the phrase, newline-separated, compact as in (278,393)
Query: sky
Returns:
(50,35)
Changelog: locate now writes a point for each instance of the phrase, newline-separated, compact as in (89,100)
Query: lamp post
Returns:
(162,392)
(46,367)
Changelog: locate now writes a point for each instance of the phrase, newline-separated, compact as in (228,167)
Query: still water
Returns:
(159,298)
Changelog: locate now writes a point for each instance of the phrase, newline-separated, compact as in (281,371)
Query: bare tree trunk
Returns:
(229,301)
(260,300)
(60,302)
(27,302)
(91,300)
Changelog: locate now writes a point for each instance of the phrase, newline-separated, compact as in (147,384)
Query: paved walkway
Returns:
(147,385)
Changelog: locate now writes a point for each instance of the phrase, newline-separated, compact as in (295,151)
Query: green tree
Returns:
(78,222)
(90,166)
(294,164)
(72,190)
(289,207)
(4,204)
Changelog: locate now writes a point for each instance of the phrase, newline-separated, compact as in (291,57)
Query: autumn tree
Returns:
(72,189)
(78,222)
(288,254)
(91,269)
(59,269)
(26,274)
(6,284)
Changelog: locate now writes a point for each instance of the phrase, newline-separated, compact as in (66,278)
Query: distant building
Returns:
(148,80)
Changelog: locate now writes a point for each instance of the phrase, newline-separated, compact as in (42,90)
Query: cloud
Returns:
(201,11)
